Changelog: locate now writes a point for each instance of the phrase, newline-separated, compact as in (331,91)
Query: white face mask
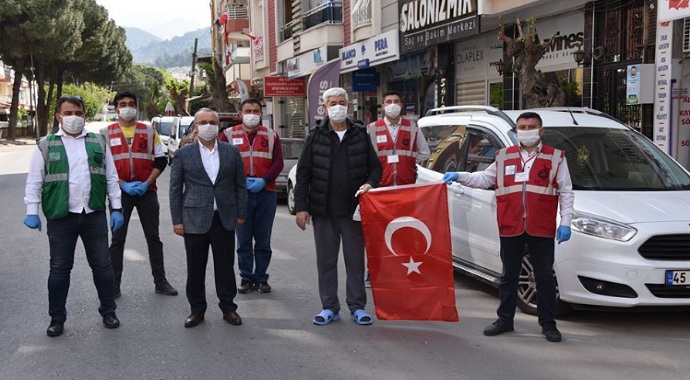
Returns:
(250,120)
(528,138)
(128,113)
(337,113)
(208,132)
(393,110)
(73,124)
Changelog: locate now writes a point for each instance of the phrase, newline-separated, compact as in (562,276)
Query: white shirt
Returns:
(211,162)
(566,198)
(79,177)
(423,151)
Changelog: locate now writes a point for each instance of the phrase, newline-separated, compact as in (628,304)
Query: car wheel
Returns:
(527,291)
(291,199)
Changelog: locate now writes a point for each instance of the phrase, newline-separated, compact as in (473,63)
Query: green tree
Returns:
(178,91)
(58,35)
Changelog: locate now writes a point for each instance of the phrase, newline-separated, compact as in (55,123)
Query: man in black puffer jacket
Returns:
(337,162)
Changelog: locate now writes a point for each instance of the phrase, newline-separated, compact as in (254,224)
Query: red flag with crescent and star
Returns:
(407,234)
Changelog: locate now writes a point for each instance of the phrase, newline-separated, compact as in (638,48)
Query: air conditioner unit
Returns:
(686,35)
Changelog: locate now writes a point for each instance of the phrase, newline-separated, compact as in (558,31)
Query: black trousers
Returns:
(540,252)
(222,244)
(148,209)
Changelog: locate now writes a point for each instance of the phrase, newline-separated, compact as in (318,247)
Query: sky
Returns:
(162,18)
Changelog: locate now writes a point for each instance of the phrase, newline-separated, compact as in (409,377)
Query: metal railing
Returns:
(327,13)
(287,30)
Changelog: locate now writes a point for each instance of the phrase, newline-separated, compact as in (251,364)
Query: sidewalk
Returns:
(18,141)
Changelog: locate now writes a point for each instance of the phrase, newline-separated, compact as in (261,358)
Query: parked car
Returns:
(292,148)
(292,180)
(165,125)
(176,135)
(630,244)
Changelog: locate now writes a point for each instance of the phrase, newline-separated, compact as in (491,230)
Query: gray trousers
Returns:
(328,231)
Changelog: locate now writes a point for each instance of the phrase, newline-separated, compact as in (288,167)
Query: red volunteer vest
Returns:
(137,163)
(403,172)
(529,206)
(257,157)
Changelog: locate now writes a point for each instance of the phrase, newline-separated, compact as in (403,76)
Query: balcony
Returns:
(328,13)
(240,55)
(238,19)
(287,30)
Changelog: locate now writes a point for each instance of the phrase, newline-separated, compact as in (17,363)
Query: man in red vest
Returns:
(398,143)
(139,160)
(263,160)
(531,181)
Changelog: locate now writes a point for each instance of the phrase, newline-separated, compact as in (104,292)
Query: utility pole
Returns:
(193,74)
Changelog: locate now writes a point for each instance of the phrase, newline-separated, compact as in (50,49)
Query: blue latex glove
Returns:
(140,188)
(130,188)
(116,220)
(250,182)
(563,234)
(32,221)
(257,185)
(450,176)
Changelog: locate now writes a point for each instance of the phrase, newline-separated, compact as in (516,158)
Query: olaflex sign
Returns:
(374,51)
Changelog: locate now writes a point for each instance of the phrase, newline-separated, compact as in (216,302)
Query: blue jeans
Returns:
(254,236)
(62,237)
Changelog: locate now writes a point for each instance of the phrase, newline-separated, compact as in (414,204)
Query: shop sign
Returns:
(570,37)
(307,63)
(412,66)
(670,10)
(664,83)
(374,51)
(425,23)
(476,58)
(283,86)
(365,80)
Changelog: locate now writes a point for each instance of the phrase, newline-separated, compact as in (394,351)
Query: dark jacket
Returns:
(314,167)
(192,192)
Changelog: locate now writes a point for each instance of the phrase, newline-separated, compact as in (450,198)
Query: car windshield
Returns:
(616,159)
(292,149)
(183,128)
(165,127)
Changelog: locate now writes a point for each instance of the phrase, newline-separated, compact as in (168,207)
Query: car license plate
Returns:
(678,277)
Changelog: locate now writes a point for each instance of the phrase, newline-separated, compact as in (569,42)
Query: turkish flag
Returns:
(407,234)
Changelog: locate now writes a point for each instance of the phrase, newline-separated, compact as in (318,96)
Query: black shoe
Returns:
(246,286)
(110,321)
(232,318)
(194,319)
(164,287)
(55,329)
(498,327)
(118,293)
(551,332)
(263,287)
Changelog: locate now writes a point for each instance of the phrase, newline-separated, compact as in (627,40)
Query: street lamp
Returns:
(503,67)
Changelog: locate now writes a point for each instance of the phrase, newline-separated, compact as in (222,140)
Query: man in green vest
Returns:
(70,175)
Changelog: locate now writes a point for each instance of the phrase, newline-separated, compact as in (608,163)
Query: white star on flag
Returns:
(412,266)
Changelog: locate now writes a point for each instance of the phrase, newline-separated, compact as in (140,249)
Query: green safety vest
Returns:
(55,194)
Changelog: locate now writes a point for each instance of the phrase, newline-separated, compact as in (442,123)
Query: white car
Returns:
(630,244)
(177,135)
(291,181)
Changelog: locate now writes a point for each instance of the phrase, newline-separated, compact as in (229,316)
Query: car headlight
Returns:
(602,227)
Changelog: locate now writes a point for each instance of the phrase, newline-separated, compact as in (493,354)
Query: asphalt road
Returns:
(277,339)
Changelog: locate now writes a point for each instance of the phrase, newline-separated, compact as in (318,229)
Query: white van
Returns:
(177,135)
(630,244)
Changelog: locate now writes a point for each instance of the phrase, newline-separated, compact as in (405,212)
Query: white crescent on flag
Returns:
(406,221)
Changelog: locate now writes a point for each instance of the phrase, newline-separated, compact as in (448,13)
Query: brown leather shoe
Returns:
(194,319)
(232,317)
